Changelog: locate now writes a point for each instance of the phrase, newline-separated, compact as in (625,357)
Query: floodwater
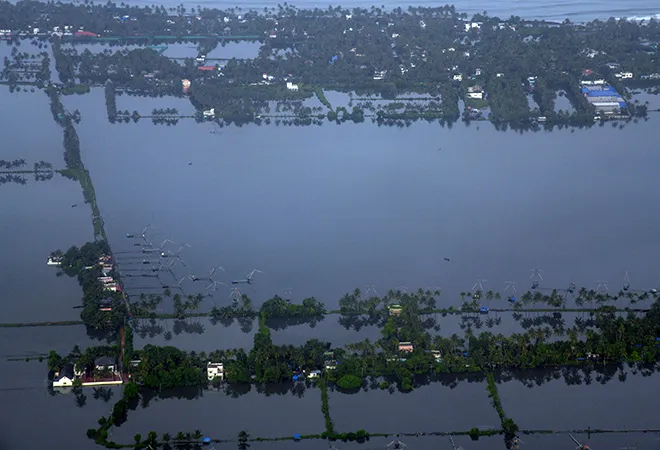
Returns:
(28,403)
(221,415)
(327,330)
(430,408)
(37,217)
(323,210)
(194,334)
(559,405)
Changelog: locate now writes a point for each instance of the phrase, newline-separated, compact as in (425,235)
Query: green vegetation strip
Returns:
(325,408)
(509,427)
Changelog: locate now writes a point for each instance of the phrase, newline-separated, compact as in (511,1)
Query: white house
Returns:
(105,363)
(458,77)
(314,374)
(215,370)
(290,86)
(209,113)
(624,75)
(471,25)
(475,92)
(65,377)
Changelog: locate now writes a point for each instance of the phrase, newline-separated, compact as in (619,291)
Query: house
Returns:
(624,75)
(65,377)
(185,85)
(206,68)
(215,370)
(330,363)
(54,261)
(437,355)
(458,77)
(105,304)
(395,310)
(105,363)
(471,25)
(314,374)
(292,87)
(406,347)
(475,92)
(85,34)
(477,72)
(209,113)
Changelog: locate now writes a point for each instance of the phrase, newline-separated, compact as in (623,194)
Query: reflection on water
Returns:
(455,404)
(548,403)
(263,412)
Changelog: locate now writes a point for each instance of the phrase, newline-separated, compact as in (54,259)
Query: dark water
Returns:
(194,334)
(37,217)
(221,416)
(556,405)
(430,408)
(322,210)
(27,403)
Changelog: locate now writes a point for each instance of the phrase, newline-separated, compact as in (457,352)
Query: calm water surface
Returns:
(37,218)
(538,407)
(426,409)
(222,417)
(322,210)
(26,400)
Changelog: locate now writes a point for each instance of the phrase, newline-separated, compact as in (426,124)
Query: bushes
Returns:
(325,408)
(349,382)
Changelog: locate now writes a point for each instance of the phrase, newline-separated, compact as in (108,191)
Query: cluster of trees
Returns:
(65,63)
(110,101)
(277,307)
(165,112)
(416,49)
(11,178)
(15,164)
(42,165)
(26,68)
(83,263)
(242,309)
(166,367)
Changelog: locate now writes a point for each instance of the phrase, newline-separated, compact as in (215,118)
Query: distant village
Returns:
(490,64)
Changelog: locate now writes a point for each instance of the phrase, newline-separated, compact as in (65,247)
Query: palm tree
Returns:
(167,437)
(243,438)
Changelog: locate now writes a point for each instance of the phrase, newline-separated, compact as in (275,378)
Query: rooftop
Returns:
(104,361)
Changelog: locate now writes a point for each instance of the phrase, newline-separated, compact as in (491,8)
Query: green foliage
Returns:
(349,382)
(110,101)
(325,408)
(55,361)
(166,367)
(323,99)
(278,307)
(131,391)
(243,440)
